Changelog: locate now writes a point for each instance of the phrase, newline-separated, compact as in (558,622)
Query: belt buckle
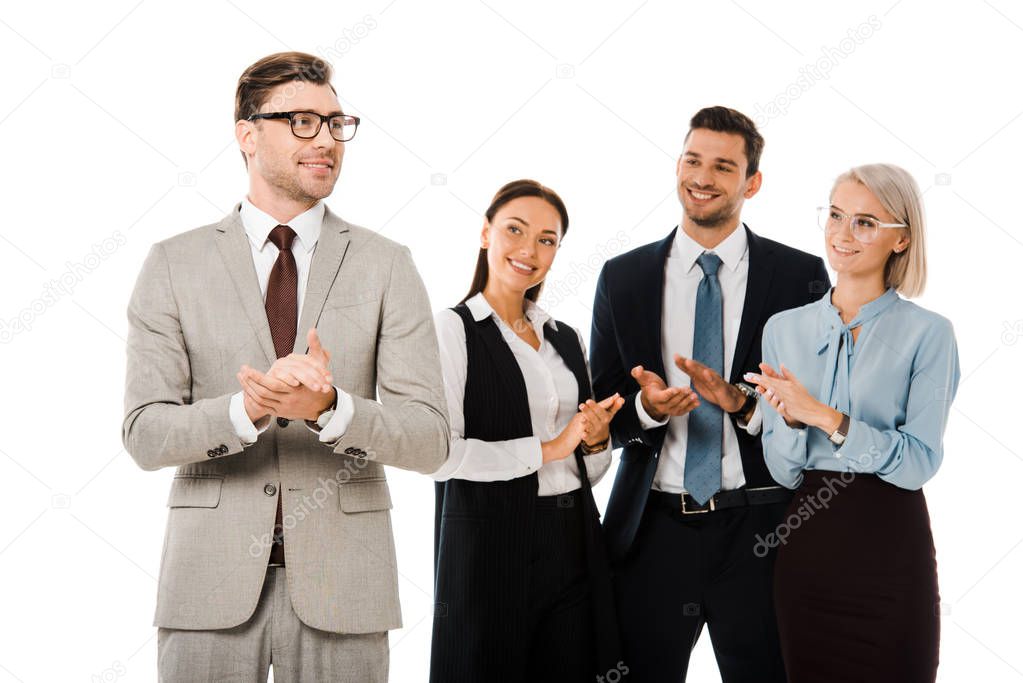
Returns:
(709,508)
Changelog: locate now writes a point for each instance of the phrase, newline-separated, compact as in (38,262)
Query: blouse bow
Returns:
(837,340)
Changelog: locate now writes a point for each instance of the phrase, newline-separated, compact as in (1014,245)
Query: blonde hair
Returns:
(899,194)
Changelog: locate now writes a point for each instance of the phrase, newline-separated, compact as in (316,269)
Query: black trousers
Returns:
(685,572)
(856,583)
(560,625)
(547,636)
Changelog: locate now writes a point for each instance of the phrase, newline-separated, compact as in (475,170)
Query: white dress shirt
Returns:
(682,276)
(553,394)
(258,225)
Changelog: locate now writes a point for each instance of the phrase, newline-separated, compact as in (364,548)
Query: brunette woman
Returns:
(522,585)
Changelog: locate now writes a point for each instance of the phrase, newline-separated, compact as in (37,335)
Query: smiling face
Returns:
(847,255)
(521,242)
(287,167)
(712,182)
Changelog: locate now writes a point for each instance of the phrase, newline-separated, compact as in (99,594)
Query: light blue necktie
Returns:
(703,447)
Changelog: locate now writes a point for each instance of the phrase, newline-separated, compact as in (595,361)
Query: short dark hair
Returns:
(725,120)
(259,79)
(513,190)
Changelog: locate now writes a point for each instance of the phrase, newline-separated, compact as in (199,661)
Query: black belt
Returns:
(722,500)
(563,501)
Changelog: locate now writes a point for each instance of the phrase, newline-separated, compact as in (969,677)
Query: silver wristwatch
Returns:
(751,398)
(838,437)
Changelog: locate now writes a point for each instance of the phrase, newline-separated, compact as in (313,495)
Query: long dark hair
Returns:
(514,190)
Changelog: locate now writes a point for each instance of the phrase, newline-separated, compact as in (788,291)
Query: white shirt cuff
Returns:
(645,421)
(598,463)
(247,432)
(477,460)
(756,421)
(339,421)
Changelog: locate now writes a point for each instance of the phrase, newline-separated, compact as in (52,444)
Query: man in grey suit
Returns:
(278,549)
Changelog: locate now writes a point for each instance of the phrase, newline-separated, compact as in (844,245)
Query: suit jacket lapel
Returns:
(330,252)
(236,253)
(233,245)
(649,306)
(758,283)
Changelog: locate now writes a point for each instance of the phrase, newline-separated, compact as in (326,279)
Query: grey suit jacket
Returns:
(195,316)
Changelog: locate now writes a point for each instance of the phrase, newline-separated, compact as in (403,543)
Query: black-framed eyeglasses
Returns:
(307,124)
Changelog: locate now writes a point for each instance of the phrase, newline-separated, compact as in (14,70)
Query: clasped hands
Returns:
(296,387)
(591,425)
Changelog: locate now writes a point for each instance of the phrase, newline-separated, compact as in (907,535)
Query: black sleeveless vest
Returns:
(483,530)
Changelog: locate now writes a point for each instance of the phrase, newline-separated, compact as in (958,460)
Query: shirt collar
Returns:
(867,311)
(731,250)
(258,224)
(481,309)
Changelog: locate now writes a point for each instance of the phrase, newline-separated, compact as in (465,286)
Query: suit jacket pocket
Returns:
(363,496)
(195,491)
(349,299)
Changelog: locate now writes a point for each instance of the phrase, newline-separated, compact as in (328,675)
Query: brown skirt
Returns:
(855,582)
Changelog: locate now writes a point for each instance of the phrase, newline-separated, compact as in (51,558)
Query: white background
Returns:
(116,124)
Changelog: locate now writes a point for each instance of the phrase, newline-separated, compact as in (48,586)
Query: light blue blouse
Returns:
(896,383)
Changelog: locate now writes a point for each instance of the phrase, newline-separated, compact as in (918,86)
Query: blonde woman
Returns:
(860,384)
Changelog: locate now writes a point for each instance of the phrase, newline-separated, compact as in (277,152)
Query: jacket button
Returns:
(270,489)
(282,422)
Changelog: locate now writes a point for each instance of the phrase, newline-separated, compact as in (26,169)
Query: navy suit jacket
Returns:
(627,332)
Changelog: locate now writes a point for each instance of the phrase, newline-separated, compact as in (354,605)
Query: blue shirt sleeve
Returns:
(784,447)
(908,455)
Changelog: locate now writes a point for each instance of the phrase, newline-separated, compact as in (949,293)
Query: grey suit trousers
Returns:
(272,636)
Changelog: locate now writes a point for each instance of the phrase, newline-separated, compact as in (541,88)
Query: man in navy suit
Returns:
(692,496)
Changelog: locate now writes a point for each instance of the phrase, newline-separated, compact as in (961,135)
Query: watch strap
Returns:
(595,448)
(751,398)
(839,435)
(324,418)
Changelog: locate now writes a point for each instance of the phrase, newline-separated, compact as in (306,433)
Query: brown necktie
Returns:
(282,314)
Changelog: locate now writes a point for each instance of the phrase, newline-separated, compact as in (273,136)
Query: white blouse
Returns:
(553,400)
